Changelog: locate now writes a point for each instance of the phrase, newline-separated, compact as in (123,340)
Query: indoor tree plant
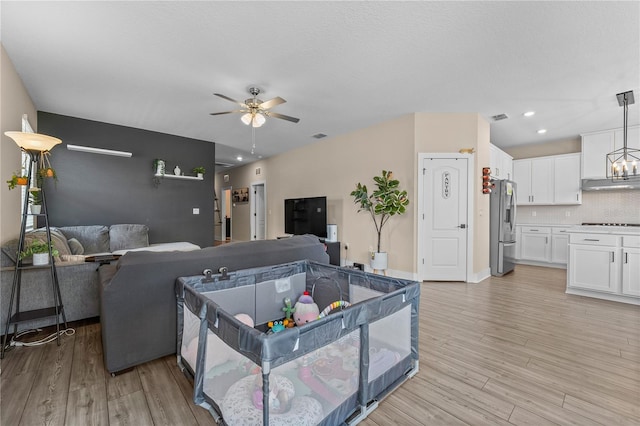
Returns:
(385,201)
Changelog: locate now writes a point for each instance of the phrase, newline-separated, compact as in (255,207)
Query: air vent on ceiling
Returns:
(319,135)
(500,117)
(223,164)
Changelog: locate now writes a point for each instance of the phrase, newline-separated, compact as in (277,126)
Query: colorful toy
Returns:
(334,305)
(288,312)
(305,309)
(277,326)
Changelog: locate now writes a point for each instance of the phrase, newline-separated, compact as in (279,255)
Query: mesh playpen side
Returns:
(328,371)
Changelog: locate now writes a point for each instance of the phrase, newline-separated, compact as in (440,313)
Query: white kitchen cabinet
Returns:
(548,180)
(536,243)
(631,265)
(534,179)
(500,163)
(566,178)
(559,245)
(596,146)
(594,262)
(518,242)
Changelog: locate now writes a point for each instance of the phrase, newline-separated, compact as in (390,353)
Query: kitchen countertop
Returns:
(600,229)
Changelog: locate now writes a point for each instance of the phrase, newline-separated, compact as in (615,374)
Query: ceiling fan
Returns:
(255,110)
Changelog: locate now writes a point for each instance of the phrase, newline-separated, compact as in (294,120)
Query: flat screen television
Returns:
(306,216)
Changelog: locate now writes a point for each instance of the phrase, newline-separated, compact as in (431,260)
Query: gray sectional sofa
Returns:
(78,279)
(138,312)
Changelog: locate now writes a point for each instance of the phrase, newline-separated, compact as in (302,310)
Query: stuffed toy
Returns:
(305,309)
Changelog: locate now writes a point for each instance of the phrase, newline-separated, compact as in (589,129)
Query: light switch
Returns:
(196,210)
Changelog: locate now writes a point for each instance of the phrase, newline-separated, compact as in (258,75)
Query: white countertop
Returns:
(599,229)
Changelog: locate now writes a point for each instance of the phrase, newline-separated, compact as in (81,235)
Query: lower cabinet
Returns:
(631,265)
(594,268)
(536,244)
(605,266)
(542,245)
(559,245)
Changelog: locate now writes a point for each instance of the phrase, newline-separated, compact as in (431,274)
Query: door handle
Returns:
(461,226)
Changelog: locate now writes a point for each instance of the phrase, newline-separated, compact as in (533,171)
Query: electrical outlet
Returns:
(196,210)
(567,213)
(533,214)
(346,246)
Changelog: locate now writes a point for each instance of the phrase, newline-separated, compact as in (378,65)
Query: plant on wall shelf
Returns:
(385,201)
(198,170)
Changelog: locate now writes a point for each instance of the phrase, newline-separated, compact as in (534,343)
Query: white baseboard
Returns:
(479,276)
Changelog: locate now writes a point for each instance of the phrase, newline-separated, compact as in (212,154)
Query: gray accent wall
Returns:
(95,189)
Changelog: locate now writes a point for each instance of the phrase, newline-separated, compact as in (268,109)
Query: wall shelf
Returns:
(178,177)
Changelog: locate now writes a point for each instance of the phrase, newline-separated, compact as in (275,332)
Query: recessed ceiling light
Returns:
(239,158)
(529,113)
(542,131)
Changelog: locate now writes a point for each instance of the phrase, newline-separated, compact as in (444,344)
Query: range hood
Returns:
(608,184)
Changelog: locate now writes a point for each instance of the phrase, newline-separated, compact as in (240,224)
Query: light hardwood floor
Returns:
(512,350)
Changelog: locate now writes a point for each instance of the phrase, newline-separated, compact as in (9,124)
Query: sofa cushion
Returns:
(94,238)
(75,246)
(128,236)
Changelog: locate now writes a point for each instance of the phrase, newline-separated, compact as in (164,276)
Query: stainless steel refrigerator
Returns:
(502,238)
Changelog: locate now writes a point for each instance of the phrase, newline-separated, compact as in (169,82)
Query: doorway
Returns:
(226,211)
(258,211)
(444,225)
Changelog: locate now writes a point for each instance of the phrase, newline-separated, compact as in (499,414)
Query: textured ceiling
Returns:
(341,66)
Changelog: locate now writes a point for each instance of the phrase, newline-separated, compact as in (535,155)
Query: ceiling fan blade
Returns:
(230,99)
(228,112)
(282,116)
(272,102)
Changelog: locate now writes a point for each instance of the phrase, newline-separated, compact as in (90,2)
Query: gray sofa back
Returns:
(137,295)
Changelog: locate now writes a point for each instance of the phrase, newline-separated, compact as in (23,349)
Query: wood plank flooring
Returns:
(514,350)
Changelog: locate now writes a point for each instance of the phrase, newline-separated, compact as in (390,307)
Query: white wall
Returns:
(14,102)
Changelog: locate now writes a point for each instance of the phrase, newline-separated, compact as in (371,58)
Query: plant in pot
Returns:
(35,197)
(40,252)
(385,201)
(199,171)
(18,178)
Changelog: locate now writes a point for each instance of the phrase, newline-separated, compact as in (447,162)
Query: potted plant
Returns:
(383,203)
(18,178)
(40,252)
(35,197)
(199,171)
(159,166)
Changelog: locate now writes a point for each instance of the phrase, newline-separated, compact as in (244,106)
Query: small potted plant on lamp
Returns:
(199,171)
(35,196)
(385,201)
(40,252)
(18,178)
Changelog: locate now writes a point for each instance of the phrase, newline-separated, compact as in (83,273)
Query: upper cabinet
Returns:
(596,146)
(501,163)
(548,180)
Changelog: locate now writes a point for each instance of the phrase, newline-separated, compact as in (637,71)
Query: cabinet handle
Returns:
(534,230)
(546,240)
(613,257)
(577,196)
(590,239)
(626,257)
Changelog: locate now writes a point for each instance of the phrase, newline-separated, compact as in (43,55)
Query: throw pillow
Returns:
(94,238)
(128,236)
(75,246)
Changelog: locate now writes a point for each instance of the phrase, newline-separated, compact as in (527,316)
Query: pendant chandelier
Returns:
(622,163)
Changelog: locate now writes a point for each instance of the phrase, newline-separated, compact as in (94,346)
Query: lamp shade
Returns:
(33,141)
(258,120)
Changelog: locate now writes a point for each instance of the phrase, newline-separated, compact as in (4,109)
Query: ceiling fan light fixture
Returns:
(247,118)
(258,120)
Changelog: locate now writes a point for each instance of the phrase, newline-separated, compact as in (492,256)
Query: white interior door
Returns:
(445,225)
(258,215)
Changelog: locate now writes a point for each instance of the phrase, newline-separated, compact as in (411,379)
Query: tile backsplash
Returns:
(597,206)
